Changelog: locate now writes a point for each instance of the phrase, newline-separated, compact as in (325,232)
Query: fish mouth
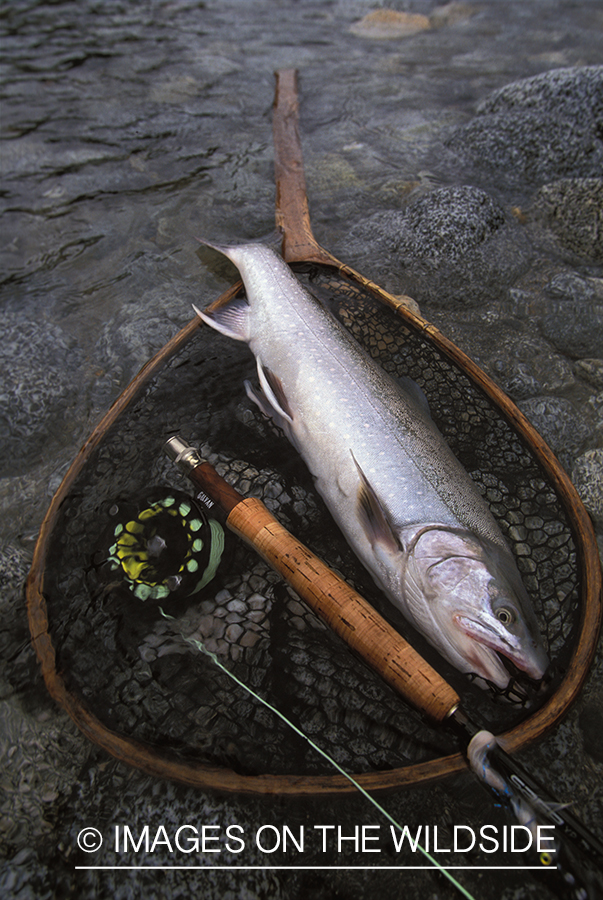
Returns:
(485,647)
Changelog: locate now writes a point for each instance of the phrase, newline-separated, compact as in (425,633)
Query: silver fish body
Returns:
(405,504)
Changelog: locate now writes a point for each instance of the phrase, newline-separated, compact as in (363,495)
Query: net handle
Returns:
(292,211)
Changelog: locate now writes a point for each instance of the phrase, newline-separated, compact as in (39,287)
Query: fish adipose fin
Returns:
(231,319)
(373,517)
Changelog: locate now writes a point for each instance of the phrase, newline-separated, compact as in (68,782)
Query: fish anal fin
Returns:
(373,517)
(232,319)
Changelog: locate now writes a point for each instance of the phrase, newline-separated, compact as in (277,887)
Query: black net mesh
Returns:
(138,671)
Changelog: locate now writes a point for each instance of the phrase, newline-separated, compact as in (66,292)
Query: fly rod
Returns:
(393,658)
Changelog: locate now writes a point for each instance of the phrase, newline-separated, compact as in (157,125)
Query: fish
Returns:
(405,504)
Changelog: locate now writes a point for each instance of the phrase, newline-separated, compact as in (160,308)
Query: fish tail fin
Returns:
(274,241)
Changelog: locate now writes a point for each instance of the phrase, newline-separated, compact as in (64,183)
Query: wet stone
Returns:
(587,476)
(559,424)
(591,370)
(233,633)
(249,639)
(258,582)
(219,629)
(138,330)
(571,211)
(523,365)
(574,323)
(389,24)
(451,246)
(148,654)
(40,383)
(304,676)
(538,537)
(538,129)
(295,607)
(237,606)
(257,601)
(156,705)
(313,723)
(132,693)
(534,522)
(527,566)
(273,490)
(236,652)
(299,656)
(205,626)
(324,687)
(360,747)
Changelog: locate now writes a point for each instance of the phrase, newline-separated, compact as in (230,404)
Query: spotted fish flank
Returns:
(403,501)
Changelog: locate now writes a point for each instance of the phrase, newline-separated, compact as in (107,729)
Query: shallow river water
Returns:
(129,128)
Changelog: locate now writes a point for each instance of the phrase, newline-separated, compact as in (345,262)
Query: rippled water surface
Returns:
(128,129)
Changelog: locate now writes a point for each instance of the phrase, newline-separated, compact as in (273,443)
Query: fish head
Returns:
(474,605)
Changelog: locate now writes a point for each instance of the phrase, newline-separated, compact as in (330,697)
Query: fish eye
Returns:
(504,615)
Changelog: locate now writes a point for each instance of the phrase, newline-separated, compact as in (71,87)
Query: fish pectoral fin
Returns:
(232,319)
(373,517)
(274,392)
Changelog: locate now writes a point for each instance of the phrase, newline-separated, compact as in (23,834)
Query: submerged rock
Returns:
(574,323)
(587,475)
(385,24)
(138,330)
(538,129)
(570,212)
(40,380)
(591,370)
(452,245)
(559,423)
(523,366)
(451,13)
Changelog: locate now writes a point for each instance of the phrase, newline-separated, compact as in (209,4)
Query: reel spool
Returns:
(161,546)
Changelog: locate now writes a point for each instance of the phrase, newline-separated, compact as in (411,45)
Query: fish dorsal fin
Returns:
(232,319)
(275,394)
(373,517)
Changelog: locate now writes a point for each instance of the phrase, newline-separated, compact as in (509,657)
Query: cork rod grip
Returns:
(344,610)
